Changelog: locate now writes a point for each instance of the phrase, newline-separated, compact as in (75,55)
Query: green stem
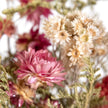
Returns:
(91,81)
(88,97)
(77,99)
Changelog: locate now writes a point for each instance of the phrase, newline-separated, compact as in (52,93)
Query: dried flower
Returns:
(34,15)
(19,93)
(62,37)
(74,55)
(39,68)
(104,87)
(77,35)
(55,30)
(77,31)
(33,40)
(9,27)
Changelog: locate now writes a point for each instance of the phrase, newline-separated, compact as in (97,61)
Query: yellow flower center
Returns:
(63,35)
(84,38)
(75,53)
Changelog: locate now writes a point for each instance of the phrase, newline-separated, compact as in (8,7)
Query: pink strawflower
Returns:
(25,1)
(33,40)
(9,28)
(39,68)
(34,15)
(38,40)
(20,93)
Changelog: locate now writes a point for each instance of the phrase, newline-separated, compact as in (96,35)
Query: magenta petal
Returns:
(32,79)
(22,76)
(34,16)
(20,102)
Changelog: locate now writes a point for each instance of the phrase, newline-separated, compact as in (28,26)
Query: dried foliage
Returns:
(3,87)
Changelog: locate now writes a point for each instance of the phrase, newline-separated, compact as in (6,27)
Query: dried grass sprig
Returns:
(4,99)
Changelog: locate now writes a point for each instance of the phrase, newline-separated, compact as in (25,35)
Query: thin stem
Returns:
(88,97)
(77,99)
(91,81)
(9,49)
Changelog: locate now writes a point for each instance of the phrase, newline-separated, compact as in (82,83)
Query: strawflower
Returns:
(20,93)
(39,68)
(104,87)
(75,30)
(34,15)
(9,27)
(33,40)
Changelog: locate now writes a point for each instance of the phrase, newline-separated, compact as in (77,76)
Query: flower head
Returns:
(19,93)
(33,40)
(34,15)
(104,87)
(75,55)
(9,27)
(55,30)
(39,68)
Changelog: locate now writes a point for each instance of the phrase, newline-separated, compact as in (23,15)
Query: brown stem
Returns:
(9,49)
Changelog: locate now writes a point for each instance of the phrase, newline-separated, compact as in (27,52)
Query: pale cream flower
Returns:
(55,30)
(62,37)
(77,26)
(93,31)
(74,56)
(57,23)
(73,15)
